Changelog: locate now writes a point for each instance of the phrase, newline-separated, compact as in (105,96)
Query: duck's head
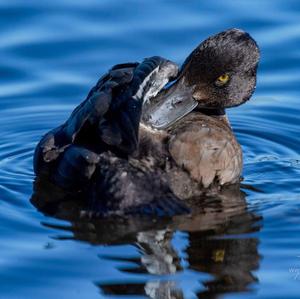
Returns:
(220,73)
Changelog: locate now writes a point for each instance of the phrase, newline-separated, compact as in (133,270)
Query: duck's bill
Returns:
(165,113)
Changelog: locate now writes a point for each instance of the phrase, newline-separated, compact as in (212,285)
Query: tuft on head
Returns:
(222,69)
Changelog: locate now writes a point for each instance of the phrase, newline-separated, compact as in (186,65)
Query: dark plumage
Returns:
(120,167)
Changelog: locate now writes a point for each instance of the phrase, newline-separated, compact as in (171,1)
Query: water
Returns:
(244,246)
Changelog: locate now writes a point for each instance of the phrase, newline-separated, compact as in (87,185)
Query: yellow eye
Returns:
(222,80)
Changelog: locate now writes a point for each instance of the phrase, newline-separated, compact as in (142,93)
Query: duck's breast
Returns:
(207,149)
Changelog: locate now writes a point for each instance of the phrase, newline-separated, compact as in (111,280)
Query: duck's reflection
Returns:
(231,259)
(221,242)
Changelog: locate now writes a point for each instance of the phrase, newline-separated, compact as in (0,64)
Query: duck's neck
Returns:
(212,111)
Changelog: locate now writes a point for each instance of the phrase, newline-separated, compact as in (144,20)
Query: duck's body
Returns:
(196,156)
(122,167)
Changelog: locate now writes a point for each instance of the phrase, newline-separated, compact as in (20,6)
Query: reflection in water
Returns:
(220,235)
(230,260)
(158,257)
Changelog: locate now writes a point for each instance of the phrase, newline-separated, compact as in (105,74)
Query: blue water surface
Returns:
(52,53)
